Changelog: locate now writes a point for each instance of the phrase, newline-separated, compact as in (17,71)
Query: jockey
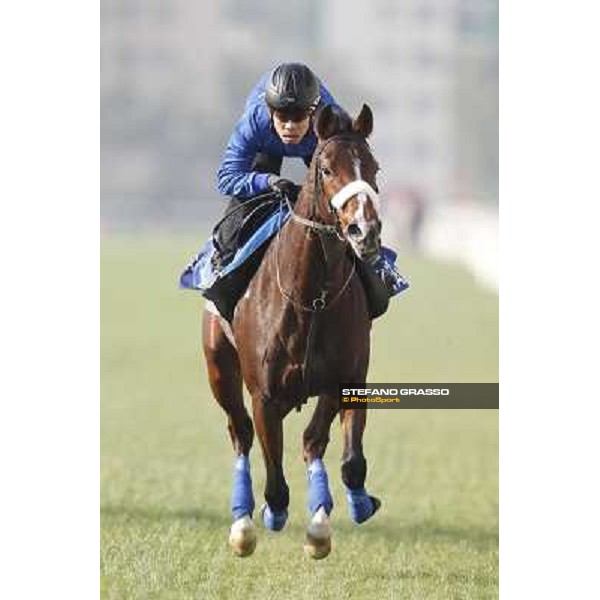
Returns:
(277,122)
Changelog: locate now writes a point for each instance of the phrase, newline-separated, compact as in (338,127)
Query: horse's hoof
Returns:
(318,536)
(273,520)
(317,548)
(242,536)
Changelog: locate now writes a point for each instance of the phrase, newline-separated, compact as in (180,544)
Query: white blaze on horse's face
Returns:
(358,205)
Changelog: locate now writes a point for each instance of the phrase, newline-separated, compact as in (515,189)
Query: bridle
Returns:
(317,226)
(321,230)
(320,304)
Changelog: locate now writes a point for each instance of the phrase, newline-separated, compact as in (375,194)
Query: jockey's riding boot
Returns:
(391,278)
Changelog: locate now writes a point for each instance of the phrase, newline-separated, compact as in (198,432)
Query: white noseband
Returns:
(356,187)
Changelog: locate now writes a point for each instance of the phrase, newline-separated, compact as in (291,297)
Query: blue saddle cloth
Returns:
(224,286)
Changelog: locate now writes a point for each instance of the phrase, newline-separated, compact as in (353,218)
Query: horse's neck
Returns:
(307,262)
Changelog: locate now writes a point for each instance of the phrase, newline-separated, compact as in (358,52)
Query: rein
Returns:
(319,228)
(319,304)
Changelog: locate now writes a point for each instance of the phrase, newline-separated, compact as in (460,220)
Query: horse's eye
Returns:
(326,171)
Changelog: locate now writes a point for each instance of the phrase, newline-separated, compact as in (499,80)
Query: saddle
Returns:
(224,282)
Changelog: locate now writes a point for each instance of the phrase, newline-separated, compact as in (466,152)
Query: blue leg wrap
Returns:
(360,505)
(318,488)
(242,498)
(274,520)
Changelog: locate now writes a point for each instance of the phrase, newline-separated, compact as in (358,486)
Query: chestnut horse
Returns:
(301,329)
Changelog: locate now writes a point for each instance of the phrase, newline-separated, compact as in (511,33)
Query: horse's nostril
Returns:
(354,230)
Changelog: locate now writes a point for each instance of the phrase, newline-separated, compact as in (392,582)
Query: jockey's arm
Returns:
(235,176)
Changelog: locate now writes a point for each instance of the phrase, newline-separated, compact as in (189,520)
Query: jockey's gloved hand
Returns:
(285,186)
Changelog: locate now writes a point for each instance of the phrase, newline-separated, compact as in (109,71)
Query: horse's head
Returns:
(345,173)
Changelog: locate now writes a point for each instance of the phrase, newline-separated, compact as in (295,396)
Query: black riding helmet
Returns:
(292,86)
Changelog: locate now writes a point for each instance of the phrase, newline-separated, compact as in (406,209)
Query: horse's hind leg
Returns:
(268,421)
(320,503)
(361,506)
(225,379)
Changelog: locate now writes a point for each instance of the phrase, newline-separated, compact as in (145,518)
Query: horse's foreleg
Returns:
(361,506)
(320,503)
(268,421)
(225,379)
(315,440)
(316,434)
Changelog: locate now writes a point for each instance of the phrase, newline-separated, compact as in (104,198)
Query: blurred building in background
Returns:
(175,75)
(430,70)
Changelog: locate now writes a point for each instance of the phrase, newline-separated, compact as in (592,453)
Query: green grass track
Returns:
(166,458)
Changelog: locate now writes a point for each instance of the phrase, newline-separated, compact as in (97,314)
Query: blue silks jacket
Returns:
(254,133)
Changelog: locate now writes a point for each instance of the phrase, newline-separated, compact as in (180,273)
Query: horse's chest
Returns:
(313,353)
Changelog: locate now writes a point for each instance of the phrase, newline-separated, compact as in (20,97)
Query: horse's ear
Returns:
(326,123)
(363,124)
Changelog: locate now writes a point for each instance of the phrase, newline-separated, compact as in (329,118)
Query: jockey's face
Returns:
(291,126)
